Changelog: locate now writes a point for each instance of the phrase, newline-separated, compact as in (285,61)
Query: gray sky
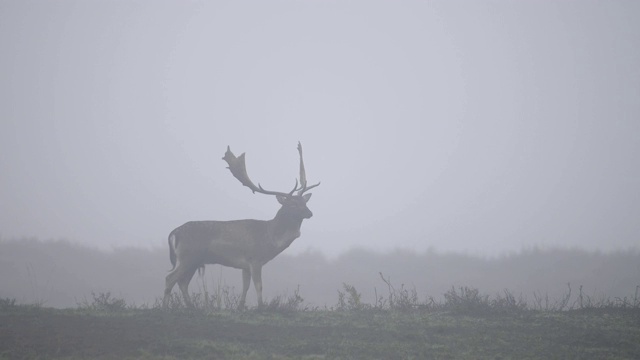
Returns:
(476,126)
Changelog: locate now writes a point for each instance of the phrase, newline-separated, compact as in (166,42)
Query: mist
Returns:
(481,128)
(61,274)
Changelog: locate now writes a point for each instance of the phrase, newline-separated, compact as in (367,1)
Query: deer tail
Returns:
(172,249)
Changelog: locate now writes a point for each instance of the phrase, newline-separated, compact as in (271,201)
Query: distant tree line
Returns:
(62,274)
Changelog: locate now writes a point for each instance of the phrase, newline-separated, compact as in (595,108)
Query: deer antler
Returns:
(238,168)
(303,174)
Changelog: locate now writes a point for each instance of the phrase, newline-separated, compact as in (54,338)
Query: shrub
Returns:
(283,303)
(403,299)
(350,299)
(7,303)
(103,302)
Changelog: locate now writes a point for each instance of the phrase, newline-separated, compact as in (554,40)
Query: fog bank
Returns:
(61,274)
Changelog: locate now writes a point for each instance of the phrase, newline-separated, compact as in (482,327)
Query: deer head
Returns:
(292,202)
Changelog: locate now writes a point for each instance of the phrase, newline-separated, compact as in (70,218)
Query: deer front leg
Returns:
(256,273)
(246,281)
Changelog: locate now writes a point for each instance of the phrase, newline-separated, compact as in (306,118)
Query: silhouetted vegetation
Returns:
(394,320)
(465,325)
(61,274)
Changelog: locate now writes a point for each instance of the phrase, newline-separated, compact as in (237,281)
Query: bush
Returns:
(402,300)
(103,302)
(350,299)
(287,304)
(6,303)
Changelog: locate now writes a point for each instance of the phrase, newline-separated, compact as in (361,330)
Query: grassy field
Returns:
(465,327)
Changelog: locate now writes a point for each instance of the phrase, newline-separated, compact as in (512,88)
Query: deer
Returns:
(242,244)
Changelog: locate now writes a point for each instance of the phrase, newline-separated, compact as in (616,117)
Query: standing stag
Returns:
(242,244)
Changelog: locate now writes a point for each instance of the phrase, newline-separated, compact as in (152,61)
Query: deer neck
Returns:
(285,228)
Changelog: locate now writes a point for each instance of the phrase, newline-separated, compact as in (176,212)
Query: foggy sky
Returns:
(476,126)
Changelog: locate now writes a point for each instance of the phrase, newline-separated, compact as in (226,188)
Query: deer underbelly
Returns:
(233,254)
(239,254)
(234,263)
(239,261)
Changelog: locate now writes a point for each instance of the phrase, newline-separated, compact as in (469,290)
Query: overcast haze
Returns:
(475,126)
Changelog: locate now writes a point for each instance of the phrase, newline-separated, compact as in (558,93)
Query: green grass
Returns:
(466,326)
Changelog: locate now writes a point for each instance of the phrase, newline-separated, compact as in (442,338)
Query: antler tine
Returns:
(238,168)
(307,188)
(303,174)
(295,187)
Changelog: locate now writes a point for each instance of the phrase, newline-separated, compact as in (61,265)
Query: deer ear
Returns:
(280,199)
(306,197)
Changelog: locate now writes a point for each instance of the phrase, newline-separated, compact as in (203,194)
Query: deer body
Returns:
(243,244)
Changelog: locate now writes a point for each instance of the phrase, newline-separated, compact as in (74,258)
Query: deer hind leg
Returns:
(170,282)
(256,273)
(179,275)
(183,284)
(246,281)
